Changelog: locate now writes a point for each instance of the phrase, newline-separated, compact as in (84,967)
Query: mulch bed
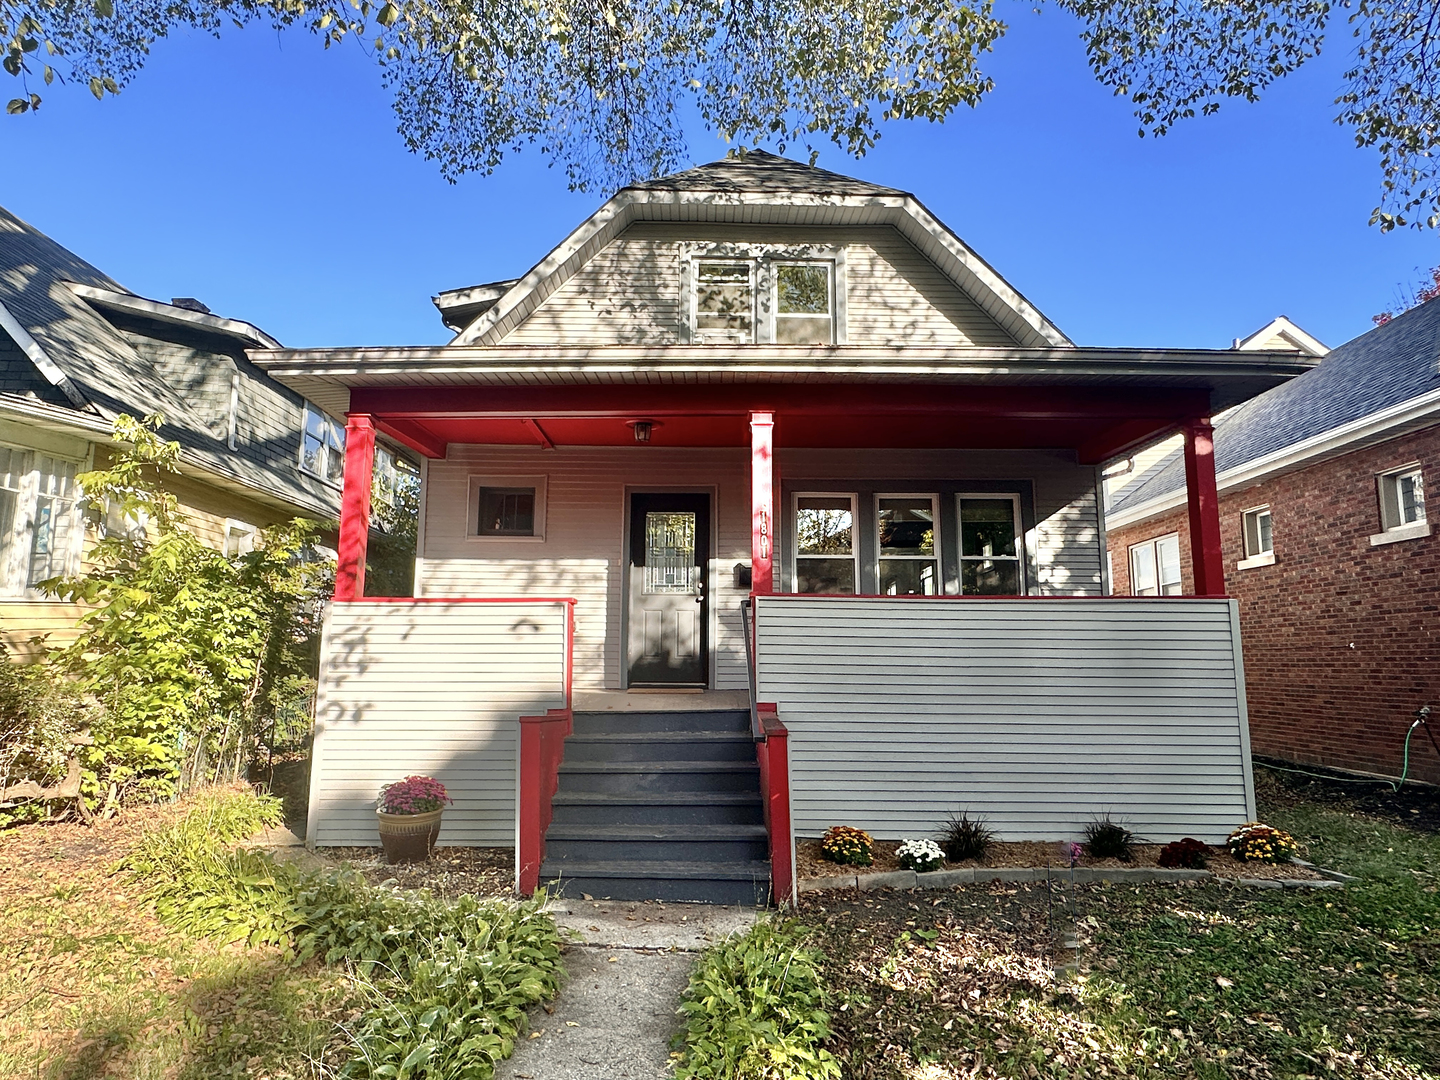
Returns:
(451,871)
(1039,854)
(1414,806)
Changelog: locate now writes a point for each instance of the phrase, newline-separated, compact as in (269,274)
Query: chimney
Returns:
(189,303)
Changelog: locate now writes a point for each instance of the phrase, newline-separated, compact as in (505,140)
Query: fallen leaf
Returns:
(1222,982)
(536,1034)
(614,959)
(571,1023)
(586,896)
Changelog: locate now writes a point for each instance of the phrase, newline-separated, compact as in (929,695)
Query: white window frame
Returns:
(17,563)
(795,555)
(332,428)
(1153,547)
(748,261)
(775,266)
(472,513)
(934,498)
(1387,490)
(763,258)
(244,534)
(1253,555)
(1020,551)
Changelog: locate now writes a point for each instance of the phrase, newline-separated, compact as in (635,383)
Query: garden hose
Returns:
(1422,717)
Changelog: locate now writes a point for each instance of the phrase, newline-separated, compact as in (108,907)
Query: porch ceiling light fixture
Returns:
(642,428)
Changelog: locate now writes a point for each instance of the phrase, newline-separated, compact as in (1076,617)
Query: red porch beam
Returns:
(413,434)
(1205,553)
(762,503)
(355,506)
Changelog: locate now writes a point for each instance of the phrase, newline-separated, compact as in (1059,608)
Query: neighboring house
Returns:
(758,379)
(1326,545)
(76,350)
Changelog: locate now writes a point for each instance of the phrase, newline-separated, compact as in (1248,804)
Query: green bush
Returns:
(40,718)
(755,1010)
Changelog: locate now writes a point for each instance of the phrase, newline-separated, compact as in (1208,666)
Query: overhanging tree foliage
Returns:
(601,85)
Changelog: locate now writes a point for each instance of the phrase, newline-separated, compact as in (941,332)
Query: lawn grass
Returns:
(91,985)
(1188,980)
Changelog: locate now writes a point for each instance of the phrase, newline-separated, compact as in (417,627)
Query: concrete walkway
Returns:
(615,1014)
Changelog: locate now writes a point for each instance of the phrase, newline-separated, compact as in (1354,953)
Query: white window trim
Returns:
(1392,476)
(1154,545)
(763,259)
(1021,550)
(795,555)
(243,529)
(472,512)
(1256,558)
(934,498)
(15,571)
(774,284)
(694,293)
(310,406)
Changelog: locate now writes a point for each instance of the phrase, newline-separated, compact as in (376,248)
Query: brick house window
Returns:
(1258,535)
(1155,567)
(1402,498)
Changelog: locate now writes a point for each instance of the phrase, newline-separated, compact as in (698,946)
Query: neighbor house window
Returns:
(39,519)
(239,538)
(1257,532)
(322,446)
(724,302)
(50,534)
(804,312)
(1402,498)
(825,555)
(907,545)
(991,547)
(507,507)
(1155,567)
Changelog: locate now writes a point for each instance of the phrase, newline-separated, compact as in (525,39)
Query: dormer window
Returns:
(724,302)
(803,304)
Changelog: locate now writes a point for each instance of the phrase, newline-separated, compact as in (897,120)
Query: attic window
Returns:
(724,302)
(322,446)
(803,304)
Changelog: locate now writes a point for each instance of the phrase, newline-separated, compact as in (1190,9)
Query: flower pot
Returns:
(408,837)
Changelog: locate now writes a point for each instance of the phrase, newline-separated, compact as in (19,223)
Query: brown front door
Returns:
(669,603)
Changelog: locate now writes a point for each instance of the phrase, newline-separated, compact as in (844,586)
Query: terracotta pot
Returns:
(408,837)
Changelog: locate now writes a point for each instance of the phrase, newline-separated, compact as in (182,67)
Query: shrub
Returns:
(1107,839)
(42,718)
(1261,843)
(755,1010)
(1188,854)
(848,847)
(413,795)
(922,856)
(965,838)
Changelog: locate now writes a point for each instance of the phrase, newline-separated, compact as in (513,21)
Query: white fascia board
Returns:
(169,313)
(53,417)
(1355,435)
(47,367)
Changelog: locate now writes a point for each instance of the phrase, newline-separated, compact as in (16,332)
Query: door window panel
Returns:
(908,563)
(670,552)
(825,544)
(990,547)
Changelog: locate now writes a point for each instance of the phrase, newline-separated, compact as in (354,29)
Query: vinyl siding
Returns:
(630,292)
(430,689)
(1036,714)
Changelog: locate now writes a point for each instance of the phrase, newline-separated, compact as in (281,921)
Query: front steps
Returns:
(661,805)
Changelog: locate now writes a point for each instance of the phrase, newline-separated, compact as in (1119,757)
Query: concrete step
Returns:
(661,746)
(621,777)
(715,883)
(648,843)
(657,808)
(662,720)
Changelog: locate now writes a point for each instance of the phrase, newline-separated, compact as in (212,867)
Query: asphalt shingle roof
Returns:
(758,171)
(1386,366)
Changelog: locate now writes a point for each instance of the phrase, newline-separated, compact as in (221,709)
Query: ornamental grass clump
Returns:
(1186,854)
(848,847)
(965,837)
(1257,842)
(1107,839)
(414,795)
(922,856)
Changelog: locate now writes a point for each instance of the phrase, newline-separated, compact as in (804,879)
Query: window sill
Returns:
(332,484)
(506,539)
(1266,559)
(1404,532)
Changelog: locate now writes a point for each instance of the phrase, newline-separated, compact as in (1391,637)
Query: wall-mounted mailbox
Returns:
(742,576)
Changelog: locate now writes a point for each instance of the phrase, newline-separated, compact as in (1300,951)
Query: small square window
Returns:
(724,302)
(803,306)
(1258,539)
(507,508)
(1402,498)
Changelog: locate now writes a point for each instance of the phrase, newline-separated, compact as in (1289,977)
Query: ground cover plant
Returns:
(1202,980)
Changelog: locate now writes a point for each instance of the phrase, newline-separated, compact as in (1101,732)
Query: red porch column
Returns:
(762,503)
(355,506)
(1205,554)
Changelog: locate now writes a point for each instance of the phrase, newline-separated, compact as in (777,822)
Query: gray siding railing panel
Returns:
(434,689)
(1037,714)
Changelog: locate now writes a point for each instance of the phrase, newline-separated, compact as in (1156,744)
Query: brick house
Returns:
(1326,546)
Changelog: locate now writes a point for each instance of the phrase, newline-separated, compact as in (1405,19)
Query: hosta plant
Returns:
(414,795)
(1256,842)
(848,847)
(922,856)
(1186,854)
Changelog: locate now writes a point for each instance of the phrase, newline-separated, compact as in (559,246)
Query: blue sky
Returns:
(264,176)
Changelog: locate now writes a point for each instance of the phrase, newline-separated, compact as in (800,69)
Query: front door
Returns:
(669,608)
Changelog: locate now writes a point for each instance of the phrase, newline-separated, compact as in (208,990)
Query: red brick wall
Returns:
(1341,639)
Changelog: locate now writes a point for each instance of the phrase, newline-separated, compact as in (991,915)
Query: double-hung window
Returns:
(804,304)
(39,521)
(1255,525)
(908,547)
(825,543)
(991,546)
(1402,498)
(1155,567)
(724,302)
(322,446)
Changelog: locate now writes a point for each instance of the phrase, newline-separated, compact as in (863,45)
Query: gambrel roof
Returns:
(754,189)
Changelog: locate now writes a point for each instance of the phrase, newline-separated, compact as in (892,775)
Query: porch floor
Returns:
(660,700)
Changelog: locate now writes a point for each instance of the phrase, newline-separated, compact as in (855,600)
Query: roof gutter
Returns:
(38,357)
(1355,435)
